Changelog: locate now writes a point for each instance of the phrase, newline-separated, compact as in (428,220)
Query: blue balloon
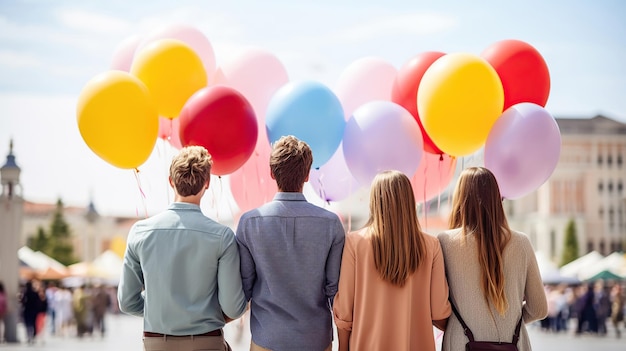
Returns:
(309,111)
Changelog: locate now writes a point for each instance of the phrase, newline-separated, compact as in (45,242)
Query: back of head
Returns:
(396,235)
(477,210)
(190,170)
(290,163)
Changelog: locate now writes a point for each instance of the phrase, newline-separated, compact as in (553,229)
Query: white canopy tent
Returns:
(574,268)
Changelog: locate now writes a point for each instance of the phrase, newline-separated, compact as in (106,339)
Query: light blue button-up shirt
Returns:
(290,260)
(180,272)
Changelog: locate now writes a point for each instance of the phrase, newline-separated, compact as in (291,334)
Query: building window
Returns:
(601,248)
(609,160)
(552,243)
(589,246)
(601,212)
(620,186)
(599,160)
(619,160)
(600,186)
(611,218)
(610,186)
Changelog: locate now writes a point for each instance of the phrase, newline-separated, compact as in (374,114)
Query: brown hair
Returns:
(190,170)
(477,210)
(290,163)
(393,227)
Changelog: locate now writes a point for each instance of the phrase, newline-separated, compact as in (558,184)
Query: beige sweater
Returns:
(522,284)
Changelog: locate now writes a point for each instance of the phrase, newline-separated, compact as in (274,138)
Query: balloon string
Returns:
(217,198)
(439,183)
(143,195)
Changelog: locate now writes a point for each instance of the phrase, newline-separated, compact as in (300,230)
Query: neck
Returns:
(192,199)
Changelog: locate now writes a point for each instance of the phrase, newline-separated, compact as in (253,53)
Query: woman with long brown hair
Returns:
(492,270)
(392,286)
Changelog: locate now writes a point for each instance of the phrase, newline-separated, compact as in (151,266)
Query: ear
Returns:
(307,178)
(169,179)
(208,181)
(272,175)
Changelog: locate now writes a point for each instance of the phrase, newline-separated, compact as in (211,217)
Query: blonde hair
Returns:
(190,170)
(393,227)
(477,209)
(290,163)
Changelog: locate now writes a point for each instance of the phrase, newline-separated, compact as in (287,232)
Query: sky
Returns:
(49,50)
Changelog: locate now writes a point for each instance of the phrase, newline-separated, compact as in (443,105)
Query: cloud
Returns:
(422,23)
(92,22)
(13,59)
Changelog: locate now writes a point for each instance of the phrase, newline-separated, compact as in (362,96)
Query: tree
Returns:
(570,247)
(40,241)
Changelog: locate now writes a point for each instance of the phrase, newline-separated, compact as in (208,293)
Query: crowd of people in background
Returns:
(586,308)
(48,308)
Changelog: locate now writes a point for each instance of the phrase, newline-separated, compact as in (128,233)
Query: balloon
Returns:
(405,88)
(522,70)
(333,181)
(381,135)
(364,80)
(169,131)
(312,113)
(432,176)
(220,119)
(523,149)
(189,35)
(460,97)
(252,184)
(117,119)
(124,53)
(172,72)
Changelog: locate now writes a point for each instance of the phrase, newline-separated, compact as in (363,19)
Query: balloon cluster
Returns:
(418,119)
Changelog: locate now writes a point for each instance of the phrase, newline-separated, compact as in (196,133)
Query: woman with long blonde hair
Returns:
(392,286)
(491,269)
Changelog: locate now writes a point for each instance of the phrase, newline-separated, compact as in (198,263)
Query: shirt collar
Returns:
(183,206)
(289,197)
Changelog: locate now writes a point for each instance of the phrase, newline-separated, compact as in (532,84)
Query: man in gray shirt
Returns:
(290,259)
(181,269)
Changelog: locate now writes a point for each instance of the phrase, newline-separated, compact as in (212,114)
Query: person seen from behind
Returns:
(492,271)
(392,286)
(290,258)
(181,269)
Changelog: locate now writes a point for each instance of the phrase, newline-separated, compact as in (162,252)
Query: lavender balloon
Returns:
(333,180)
(381,135)
(522,149)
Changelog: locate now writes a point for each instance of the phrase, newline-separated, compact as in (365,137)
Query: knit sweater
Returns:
(523,288)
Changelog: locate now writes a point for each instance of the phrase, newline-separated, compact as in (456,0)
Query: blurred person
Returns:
(181,268)
(31,302)
(100,305)
(40,323)
(492,271)
(602,304)
(586,311)
(51,290)
(63,310)
(290,259)
(391,263)
(3,310)
(82,308)
(617,308)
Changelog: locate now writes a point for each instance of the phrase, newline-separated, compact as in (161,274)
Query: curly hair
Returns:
(190,170)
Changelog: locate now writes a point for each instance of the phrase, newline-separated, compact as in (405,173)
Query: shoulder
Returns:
(449,236)
(520,241)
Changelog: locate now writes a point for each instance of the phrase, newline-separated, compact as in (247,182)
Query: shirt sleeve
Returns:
(439,304)
(333,263)
(247,266)
(131,285)
(230,291)
(536,306)
(343,306)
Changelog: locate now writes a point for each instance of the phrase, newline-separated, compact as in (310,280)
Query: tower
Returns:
(11,213)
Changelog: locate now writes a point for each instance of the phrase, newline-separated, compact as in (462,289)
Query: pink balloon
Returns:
(364,80)
(381,135)
(169,130)
(190,36)
(124,53)
(257,74)
(333,180)
(432,176)
(252,184)
(523,149)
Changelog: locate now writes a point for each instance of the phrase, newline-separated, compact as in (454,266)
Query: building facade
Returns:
(587,187)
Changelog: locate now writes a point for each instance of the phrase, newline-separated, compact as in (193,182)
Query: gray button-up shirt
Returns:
(181,270)
(290,260)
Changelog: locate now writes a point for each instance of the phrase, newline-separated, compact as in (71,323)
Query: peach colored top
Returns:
(382,316)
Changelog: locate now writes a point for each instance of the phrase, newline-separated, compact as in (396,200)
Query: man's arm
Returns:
(131,284)
(247,266)
(333,263)
(230,292)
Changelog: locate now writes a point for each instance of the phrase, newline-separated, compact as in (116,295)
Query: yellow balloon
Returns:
(117,119)
(459,99)
(172,71)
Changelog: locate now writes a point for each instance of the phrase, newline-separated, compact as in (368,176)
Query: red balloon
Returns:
(522,70)
(405,88)
(223,121)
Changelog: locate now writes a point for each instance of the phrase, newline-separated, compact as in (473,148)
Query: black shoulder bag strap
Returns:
(468,331)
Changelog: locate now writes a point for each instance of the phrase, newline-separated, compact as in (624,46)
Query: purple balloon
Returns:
(380,136)
(333,180)
(522,149)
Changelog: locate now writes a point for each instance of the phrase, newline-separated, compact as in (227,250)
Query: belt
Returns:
(217,332)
